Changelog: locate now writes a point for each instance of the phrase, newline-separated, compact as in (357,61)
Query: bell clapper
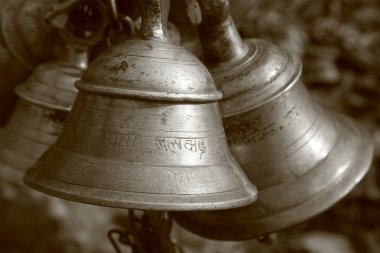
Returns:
(270,239)
(149,233)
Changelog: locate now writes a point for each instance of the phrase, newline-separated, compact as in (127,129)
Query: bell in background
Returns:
(20,50)
(45,100)
(30,220)
(145,131)
(302,158)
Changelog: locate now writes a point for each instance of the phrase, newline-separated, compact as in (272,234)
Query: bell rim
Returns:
(212,96)
(240,197)
(38,102)
(25,91)
(356,171)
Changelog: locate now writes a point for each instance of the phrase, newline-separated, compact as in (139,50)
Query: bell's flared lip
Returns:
(245,195)
(24,94)
(211,96)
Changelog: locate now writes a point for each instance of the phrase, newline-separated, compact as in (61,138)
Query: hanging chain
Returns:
(148,234)
(122,25)
(80,22)
(89,22)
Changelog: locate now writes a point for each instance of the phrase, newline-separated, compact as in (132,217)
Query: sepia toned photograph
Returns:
(189,126)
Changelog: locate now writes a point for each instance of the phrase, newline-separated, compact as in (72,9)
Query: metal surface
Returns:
(302,157)
(145,132)
(44,102)
(24,33)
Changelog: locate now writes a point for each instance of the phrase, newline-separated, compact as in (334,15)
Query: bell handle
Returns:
(220,40)
(154,15)
(74,56)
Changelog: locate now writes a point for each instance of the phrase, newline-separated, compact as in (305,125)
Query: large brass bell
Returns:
(44,101)
(145,132)
(302,158)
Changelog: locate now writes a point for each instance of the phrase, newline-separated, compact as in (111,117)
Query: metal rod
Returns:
(218,34)
(154,19)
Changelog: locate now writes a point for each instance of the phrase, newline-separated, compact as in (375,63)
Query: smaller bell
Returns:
(31,30)
(302,157)
(46,97)
(25,34)
(31,34)
(44,101)
(145,131)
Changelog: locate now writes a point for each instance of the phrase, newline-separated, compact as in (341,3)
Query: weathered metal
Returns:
(44,101)
(302,157)
(145,131)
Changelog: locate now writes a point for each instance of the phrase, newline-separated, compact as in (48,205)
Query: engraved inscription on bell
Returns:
(117,141)
(179,144)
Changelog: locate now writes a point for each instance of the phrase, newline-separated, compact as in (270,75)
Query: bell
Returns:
(29,34)
(301,157)
(44,101)
(24,33)
(145,131)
